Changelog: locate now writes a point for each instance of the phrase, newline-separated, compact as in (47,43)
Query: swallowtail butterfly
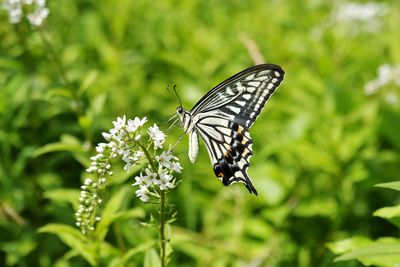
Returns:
(223,118)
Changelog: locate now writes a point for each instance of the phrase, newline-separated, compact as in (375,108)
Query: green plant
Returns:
(384,251)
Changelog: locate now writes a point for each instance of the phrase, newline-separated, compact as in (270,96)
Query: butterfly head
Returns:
(184,117)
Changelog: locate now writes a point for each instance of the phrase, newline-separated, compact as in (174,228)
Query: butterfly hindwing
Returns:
(229,146)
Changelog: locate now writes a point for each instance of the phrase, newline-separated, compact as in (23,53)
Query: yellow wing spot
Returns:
(221,174)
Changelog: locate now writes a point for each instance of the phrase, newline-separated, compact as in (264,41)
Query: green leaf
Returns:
(391,185)
(390,213)
(72,238)
(383,252)
(67,143)
(152,259)
(64,195)
(88,80)
(349,244)
(122,261)
(317,207)
(167,231)
(110,212)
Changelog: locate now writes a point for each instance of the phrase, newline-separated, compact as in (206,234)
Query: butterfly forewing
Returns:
(225,114)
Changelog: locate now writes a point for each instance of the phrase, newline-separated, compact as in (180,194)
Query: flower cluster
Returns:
(36,10)
(362,16)
(125,142)
(88,201)
(387,75)
(160,178)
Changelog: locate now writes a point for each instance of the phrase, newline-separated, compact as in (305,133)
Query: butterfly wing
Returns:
(242,96)
(225,114)
(229,146)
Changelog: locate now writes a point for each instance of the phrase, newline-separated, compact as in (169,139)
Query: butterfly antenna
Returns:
(177,95)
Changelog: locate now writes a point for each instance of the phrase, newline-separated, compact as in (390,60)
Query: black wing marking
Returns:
(229,146)
(243,95)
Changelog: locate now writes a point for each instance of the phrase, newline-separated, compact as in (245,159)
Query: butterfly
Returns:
(223,117)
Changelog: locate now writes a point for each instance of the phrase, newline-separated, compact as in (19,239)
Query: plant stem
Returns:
(162,208)
(50,49)
(162,231)
(147,154)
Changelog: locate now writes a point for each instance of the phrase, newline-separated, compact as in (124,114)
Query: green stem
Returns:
(162,208)
(50,49)
(63,74)
(162,231)
(147,154)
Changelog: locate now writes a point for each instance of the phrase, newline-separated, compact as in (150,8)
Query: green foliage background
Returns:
(319,147)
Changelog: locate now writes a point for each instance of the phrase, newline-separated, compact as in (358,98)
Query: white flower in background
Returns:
(157,136)
(361,16)
(36,11)
(351,11)
(37,17)
(386,75)
(392,98)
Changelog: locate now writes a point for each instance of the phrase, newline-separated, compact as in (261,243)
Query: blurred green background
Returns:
(327,136)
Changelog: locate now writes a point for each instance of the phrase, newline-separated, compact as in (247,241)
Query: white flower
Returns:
(15,7)
(119,123)
(106,136)
(138,155)
(151,176)
(361,16)
(130,159)
(351,11)
(392,99)
(157,136)
(140,180)
(164,159)
(145,180)
(134,124)
(118,133)
(175,166)
(142,193)
(165,181)
(100,148)
(40,2)
(37,17)
(387,74)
